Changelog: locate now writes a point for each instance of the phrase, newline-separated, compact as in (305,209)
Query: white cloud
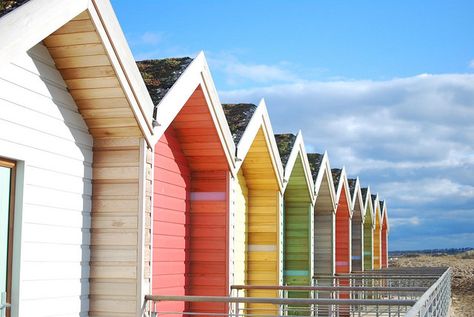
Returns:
(236,71)
(411,139)
(151,38)
(417,191)
(471,64)
(412,221)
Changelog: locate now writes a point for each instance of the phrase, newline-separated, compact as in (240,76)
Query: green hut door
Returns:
(6,179)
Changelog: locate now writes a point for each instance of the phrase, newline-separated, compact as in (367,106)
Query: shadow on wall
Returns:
(78,130)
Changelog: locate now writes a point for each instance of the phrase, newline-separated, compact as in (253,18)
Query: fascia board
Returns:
(29,24)
(122,61)
(196,74)
(291,161)
(177,96)
(376,206)
(299,149)
(385,215)
(325,171)
(306,166)
(271,141)
(217,112)
(248,137)
(343,183)
(358,197)
(368,203)
(259,120)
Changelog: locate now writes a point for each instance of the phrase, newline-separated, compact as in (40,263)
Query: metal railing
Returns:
(389,293)
(436,300)
(255,306)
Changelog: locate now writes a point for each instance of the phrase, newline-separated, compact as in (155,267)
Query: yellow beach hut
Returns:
(257,241)
(368,229)
(377,249)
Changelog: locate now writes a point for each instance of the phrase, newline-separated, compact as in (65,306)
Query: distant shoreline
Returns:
(431,251)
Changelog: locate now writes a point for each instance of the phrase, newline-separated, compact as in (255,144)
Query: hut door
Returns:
(6,220)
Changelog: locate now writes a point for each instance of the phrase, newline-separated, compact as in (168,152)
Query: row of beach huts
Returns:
(121,179)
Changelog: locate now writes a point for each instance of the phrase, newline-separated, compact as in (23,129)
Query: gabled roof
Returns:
(24,24)
(291,146)
(7,6)
(336,176)
(320,169)
(160,75)
(356,196)
(352,185)
(172,87)
(259,120)
(315,162)
(368,207)
(376,206)
(238,116)
(285,143)
(384,215)
(340,183)
(364,192)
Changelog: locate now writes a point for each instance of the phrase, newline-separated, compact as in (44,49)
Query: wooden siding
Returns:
(324,230)
(115,241)
(343,234)
(41,126)
(80,56)
(357,232)
(384,241)
(376,241)
(208,272)
(368,240)
(357,243)
(172,188)
(191,208)
(119,264)
(240,230)
(263,221)
(297,227)
(384,248)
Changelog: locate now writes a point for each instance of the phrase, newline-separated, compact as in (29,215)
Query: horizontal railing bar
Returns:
(378,277)
(327,288)
(284,301)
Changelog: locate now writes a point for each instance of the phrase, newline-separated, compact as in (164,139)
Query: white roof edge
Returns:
(126,60)
(299,147)
(260,118)
(37,19)
(197,73)
(33,22)
(325,169)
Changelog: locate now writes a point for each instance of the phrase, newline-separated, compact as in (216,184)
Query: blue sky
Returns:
(387,87)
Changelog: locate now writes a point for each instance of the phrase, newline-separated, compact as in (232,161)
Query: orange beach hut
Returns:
(193,163)
(343,221)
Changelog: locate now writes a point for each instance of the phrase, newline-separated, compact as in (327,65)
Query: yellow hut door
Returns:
(6,220)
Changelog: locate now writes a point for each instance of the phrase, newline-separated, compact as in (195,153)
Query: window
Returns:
(7,178)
